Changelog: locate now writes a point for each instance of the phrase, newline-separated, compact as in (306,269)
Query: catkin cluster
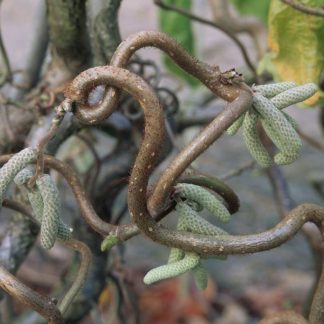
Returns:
(44,199)
(268,101)
(45,202)
(191,199)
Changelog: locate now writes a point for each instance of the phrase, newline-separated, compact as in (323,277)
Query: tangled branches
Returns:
(194,237)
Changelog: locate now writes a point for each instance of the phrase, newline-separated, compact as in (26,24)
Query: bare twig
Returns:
(240,24)
(7,122)
(285,203)
(18,207)
(42,305)
(56,121)
(236,172)
(86,258)
(6,73)
(97,163)
(283,199)
(221,27)
(310,140)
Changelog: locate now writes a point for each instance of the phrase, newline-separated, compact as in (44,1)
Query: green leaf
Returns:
(180,28)
(296,42)
(258,8)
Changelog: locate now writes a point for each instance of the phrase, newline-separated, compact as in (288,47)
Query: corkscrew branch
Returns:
(209,75)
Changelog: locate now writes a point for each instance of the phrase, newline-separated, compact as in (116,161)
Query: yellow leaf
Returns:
(297,44)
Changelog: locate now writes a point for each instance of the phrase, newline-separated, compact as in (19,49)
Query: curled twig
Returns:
(153,138)
(64,107)
(209,75)
(86,258)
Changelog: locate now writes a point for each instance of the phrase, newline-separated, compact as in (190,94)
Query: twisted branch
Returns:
(207,74)
(196,147)
(153,138)
(86,259)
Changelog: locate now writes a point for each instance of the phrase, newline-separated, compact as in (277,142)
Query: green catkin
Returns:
(110,241)
(195,223)
(285,156)
(200,275)
(278,121)
(190,221)
(280,128)
(204,198)
(23,176)
(51,211)
(253,142)
(232,130)
(34,196)
(291,120)
(190,261)
(268,91)
(282,95)
(273,89)
(175,253)
(195,206)
(10,169)
(36,202)
(294,95)
(64,231)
